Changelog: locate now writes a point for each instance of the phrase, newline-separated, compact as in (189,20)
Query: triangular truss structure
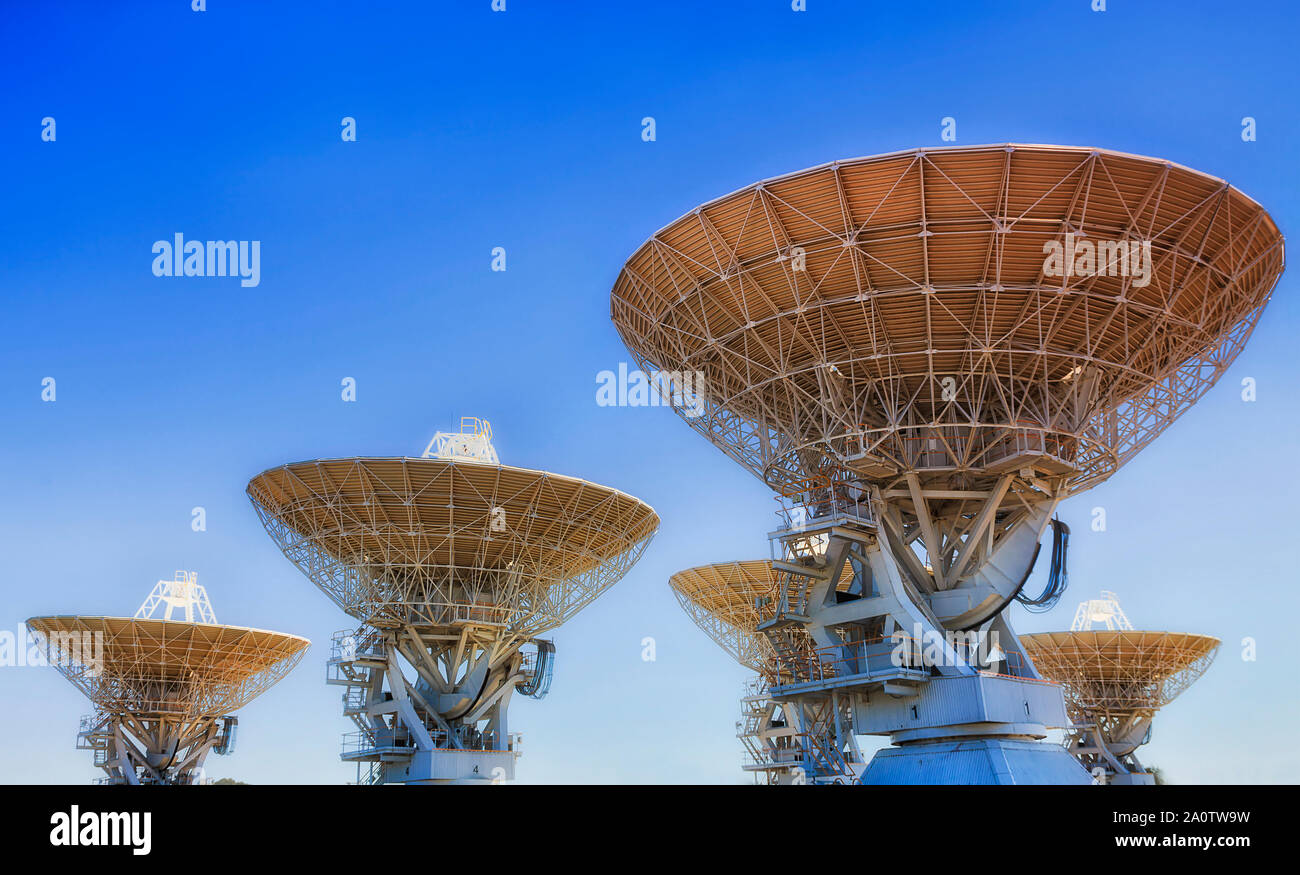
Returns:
(1105,610)
(182,593)
(473,443)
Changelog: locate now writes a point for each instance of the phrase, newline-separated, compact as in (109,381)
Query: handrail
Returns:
(835,503)
(362,741)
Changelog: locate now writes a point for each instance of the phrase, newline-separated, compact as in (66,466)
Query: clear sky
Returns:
(522,130)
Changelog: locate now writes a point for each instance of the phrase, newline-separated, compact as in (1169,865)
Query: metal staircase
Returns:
(763,735)
(96,735)
(358,661)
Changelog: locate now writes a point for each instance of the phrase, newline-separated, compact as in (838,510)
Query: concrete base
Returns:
(976,761)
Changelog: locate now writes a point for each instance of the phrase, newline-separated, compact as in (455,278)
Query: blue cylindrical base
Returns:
(976,761)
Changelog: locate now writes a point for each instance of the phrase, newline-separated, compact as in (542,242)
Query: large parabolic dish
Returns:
(452,563)
(726,600)
(926,266)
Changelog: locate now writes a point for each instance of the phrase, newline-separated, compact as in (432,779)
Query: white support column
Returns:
(412,721)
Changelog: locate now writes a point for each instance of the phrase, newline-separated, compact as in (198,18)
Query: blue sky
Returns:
(522,130)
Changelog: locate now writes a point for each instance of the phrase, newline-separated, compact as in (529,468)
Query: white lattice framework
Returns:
(1105,610)
(473,443)
(182,593)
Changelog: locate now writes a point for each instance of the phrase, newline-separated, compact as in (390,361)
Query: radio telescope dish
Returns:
(164,690)
(784,742)
(729,600)
(870,318)
(1115,680)
(923,353)
(1105,671)
(453,562)
(725,600)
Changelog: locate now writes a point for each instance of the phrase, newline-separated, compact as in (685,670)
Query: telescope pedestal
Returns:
(1107,748)
(449,767)
(980,729)
(133,750)
(938,670)
(448,725)
(975,761)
